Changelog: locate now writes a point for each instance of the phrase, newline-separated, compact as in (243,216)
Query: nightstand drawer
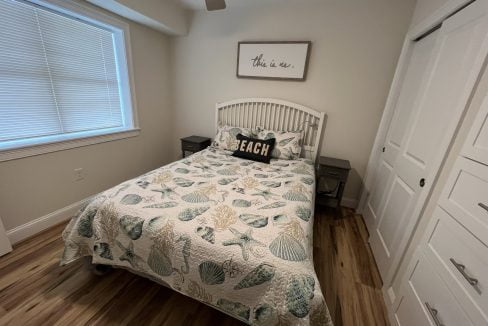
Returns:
(335,173)
(192,146)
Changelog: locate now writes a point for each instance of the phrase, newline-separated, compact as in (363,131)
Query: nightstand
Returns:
(332,176)
(194,144)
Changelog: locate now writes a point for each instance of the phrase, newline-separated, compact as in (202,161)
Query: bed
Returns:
(229,232)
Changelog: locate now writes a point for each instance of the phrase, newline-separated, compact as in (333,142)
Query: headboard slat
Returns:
(277,115)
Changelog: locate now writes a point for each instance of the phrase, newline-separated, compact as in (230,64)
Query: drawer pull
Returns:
(485,207)
(434,314)
(461,268)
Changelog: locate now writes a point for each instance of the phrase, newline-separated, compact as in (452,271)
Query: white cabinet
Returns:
(428,300)
(455,245)
(476,145)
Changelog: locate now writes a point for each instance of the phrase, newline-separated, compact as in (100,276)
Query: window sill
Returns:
(16,153)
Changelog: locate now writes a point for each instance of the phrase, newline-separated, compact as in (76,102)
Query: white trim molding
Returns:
(349,202)
(42,223)
(21,152)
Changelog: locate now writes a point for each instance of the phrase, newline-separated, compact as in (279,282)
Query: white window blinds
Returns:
(58,76)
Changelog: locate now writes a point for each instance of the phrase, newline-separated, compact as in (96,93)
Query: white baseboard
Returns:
(42,223)
(349,202)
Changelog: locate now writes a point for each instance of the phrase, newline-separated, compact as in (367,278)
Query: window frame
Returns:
(123,53)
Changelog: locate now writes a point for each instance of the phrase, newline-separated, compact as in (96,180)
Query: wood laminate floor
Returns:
(35,290)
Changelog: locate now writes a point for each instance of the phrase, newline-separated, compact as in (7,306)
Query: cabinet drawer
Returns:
(462,260)
(331,172)
(476,145)
(465,196)
(192,147)
(426,289)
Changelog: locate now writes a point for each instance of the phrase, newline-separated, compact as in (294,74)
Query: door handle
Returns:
(462,269)
(434,314)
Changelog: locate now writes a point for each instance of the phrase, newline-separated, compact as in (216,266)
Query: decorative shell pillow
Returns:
(226,137)
(288,144)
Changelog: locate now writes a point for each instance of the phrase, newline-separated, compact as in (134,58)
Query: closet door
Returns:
(419,139)
(416,71)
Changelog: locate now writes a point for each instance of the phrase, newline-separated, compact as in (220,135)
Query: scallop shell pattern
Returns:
(285,141)
(226,181)
(182,182)
(304,213)
(227,172)
(282,164)
(280,218)
(182,170)
(207,233)
(256,221)
(168,204)
(261,176)
(295,196)
(273,205)
(235,131)
(159,262)
(234,308)
(301,170)
(131,199)
(189,214)
(286,247)
(271,184)
(85,225)
(264,314)
(195,197)
(132,225)
(307,181)
(261,274)
(211,273)
(299,294)
(103,250)
(241,203)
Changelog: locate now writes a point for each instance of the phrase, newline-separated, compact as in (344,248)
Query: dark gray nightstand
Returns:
(332,176)
(194,144)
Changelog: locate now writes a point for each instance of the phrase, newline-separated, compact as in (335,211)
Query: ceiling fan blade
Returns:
(215,4)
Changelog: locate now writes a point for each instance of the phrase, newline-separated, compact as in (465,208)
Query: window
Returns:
(63,76)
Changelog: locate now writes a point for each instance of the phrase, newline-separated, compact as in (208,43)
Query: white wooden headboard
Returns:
(274,114)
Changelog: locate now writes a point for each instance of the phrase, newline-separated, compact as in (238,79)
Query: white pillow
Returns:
(226,137)
(288,144)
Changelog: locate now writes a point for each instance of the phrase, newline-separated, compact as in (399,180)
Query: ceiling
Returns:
(200,4)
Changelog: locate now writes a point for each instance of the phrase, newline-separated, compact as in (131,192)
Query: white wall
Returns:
(34,186)
(355,48)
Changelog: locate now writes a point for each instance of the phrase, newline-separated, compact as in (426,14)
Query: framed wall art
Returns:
(279,60)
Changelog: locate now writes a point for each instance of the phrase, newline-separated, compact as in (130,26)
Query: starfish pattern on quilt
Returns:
(245,241)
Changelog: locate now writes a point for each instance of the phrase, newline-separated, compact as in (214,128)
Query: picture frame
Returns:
(273,60)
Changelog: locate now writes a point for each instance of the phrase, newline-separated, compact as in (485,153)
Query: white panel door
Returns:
(416,71)
(418,141)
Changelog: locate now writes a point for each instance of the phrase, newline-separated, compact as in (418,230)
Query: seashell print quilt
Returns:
(232,233)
